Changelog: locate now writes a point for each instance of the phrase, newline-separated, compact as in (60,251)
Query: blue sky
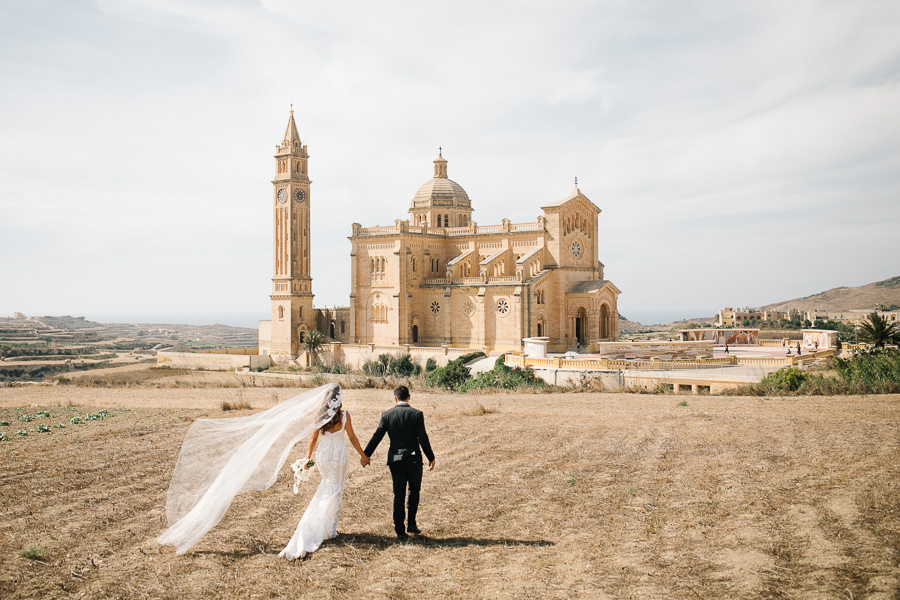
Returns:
(741,152)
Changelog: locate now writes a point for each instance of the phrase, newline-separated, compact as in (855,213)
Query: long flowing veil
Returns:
(221,458)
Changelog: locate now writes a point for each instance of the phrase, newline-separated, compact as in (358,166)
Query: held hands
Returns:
(431,465)
(364,461)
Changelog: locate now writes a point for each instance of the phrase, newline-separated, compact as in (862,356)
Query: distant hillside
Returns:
(864,297)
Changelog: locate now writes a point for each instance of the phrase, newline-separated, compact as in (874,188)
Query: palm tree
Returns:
(877,330)
(312,342)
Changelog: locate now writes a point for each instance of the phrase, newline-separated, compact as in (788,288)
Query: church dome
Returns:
(440,191)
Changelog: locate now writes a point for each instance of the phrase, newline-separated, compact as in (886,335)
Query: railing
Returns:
(526,227)
(821,354)
(437,281)
(465,230)
(519,360)
(770,343)
(503,279)
(379,230)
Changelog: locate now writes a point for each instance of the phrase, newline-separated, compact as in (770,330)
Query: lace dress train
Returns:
(319,522)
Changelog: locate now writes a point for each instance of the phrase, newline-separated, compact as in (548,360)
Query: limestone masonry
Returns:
(439,278)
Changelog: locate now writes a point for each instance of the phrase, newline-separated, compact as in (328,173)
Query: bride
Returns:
(221,458)
(319,522)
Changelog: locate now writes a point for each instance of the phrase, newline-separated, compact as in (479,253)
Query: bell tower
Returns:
(292,297)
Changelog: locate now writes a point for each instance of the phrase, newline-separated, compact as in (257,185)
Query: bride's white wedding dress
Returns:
(319,522)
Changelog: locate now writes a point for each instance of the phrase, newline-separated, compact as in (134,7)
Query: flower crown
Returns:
(333,404)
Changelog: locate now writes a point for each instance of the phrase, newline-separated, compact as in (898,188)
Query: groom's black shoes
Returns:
(413,530)
(402,537)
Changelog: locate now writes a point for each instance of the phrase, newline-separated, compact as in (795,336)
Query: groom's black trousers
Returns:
(406,473)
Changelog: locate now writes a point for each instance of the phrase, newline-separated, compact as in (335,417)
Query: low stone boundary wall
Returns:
(518,359)
(355,355)
(239,351)
(211,362)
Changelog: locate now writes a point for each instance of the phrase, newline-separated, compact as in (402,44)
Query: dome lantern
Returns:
(441,202)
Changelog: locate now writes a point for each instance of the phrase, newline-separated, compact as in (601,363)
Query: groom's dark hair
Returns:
(401,393)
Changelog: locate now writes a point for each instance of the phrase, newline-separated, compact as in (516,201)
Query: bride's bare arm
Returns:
(352,436)
(312,443)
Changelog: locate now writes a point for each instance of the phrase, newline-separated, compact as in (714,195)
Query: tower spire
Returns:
(291,136)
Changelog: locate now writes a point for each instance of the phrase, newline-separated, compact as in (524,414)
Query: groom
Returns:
(405,427)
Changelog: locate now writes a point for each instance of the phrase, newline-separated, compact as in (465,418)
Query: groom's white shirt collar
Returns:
(402,403)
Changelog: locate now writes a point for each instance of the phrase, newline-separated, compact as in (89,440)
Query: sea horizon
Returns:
(251,320)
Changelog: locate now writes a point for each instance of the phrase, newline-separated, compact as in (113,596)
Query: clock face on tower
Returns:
(282,195)
(299,195)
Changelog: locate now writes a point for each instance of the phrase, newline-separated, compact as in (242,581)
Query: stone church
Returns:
(439,278)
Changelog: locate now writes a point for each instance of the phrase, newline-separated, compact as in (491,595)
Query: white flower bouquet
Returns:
(303,470)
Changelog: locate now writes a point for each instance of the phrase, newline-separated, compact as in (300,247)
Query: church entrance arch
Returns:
(415,334)
(604,322)
(580,321)
(331,330)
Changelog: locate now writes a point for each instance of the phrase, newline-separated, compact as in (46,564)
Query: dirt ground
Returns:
(534,496)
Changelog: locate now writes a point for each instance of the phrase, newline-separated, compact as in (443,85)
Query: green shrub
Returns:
(504,377)
(450,377)
(377,367)
(875,371)
(467,358)
(430,365)
(404,366)
(787,380)
(390,365)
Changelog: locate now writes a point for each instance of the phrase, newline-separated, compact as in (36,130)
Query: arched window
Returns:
(413,264)
(280,313)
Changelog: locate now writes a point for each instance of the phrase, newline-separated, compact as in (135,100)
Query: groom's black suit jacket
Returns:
(405,427)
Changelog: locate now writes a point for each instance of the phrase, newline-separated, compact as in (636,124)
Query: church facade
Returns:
(438,278)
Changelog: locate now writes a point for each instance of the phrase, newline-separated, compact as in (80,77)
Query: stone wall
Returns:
(355,355)
(210,362)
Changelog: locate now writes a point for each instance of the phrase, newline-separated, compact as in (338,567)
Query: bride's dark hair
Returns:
(337,413)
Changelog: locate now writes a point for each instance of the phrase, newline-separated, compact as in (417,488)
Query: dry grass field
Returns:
(534,496)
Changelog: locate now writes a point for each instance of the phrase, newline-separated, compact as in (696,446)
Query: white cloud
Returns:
(718,138)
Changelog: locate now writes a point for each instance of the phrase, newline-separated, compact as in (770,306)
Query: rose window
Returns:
(575,248)
(435,307)
(468,307)
(503,306)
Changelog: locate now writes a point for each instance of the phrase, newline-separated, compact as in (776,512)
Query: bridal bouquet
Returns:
(303,470)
